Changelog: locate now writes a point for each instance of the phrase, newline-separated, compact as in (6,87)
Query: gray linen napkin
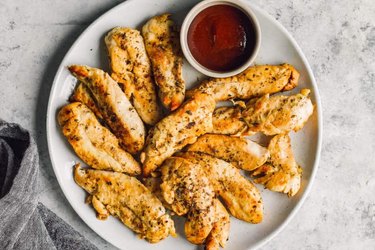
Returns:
(25,223)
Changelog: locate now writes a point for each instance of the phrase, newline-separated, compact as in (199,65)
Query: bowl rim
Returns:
(198,8)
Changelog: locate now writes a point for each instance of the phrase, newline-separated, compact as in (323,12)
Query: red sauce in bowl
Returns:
(221,38)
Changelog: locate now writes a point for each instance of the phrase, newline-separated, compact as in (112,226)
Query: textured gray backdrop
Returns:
(338,38)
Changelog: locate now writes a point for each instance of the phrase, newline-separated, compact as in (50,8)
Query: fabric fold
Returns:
(25,223)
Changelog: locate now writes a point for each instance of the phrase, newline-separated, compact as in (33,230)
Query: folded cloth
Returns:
(25,223)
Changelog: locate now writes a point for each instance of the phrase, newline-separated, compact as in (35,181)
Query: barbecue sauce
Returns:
(221,38)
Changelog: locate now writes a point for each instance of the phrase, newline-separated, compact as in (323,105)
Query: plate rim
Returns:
(318,109)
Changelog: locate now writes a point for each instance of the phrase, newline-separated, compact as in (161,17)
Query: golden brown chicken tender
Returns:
(116,109)
(278,114)
(163,48)
(240,196)
(241,152)
(94,143)
(188,191)
(270,115)
(281,173)
(131,68)
(255,81)
(127,199)
(182,127)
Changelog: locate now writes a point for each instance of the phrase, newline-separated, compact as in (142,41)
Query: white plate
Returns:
(277,47)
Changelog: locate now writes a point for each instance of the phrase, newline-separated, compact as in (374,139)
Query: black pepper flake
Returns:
(190,125)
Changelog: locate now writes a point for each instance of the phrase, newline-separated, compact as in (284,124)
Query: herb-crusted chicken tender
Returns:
(182,127)
(255,81)
(278,114)
(116,109)
(270,115)
(131,68)
(128,199)
(188,191)
(94,143)
(163,48)
(281,173)
(241,152)
(240,196)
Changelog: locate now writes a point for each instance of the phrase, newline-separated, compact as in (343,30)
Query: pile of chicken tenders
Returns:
(154,149)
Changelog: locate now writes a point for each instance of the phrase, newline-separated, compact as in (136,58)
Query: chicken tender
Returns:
(116,109)
(255,81)
(241,152)
(219,233)
(269,115)
(131,68)
(163,48)
(171,134)
(94,143)
(240,196)
(189,192)
(278,114)
(281,173)
(127,199)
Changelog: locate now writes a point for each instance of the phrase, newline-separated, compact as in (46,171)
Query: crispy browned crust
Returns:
(293,79)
